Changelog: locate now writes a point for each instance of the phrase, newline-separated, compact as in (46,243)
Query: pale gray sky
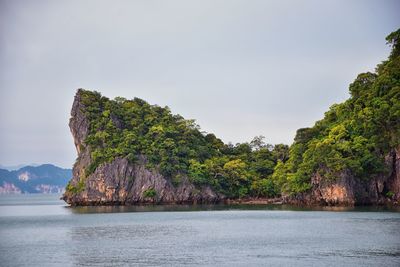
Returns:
(240,68)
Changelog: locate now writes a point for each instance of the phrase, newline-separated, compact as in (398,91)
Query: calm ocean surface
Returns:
(40,230)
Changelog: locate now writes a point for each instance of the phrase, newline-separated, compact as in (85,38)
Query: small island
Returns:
(131,152)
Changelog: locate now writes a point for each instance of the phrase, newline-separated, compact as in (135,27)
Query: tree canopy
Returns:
(176,147)
(353,136)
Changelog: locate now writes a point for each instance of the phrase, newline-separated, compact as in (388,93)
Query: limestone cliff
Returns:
(111,170)
(349,190)
(120,182)
(351,156)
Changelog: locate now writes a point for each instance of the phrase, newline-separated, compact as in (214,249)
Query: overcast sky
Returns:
(240,68)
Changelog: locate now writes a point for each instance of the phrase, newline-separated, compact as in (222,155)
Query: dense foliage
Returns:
(176,147)
(353,136)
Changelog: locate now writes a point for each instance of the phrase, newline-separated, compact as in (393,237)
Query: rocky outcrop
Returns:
(350,190)
(120,182)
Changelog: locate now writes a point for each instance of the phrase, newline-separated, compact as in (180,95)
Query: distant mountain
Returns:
(45,178)
(17,167)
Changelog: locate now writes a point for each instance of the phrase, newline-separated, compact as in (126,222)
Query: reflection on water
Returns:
(202,207)
(41,230)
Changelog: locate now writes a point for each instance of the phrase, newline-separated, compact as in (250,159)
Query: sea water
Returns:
(41,230)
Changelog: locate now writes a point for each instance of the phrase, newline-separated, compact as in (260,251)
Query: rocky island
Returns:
(131,152)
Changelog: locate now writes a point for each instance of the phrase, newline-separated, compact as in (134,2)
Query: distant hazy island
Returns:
(132,152)
(45,178)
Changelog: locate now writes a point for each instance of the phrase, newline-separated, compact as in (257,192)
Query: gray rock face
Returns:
(349,190)
(120,182)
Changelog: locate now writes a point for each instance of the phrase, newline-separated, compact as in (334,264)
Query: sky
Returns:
(239,68)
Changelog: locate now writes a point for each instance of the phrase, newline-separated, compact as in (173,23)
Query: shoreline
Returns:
(240,201)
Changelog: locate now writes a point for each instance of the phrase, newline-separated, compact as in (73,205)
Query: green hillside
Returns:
(353,136)
(176,147)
